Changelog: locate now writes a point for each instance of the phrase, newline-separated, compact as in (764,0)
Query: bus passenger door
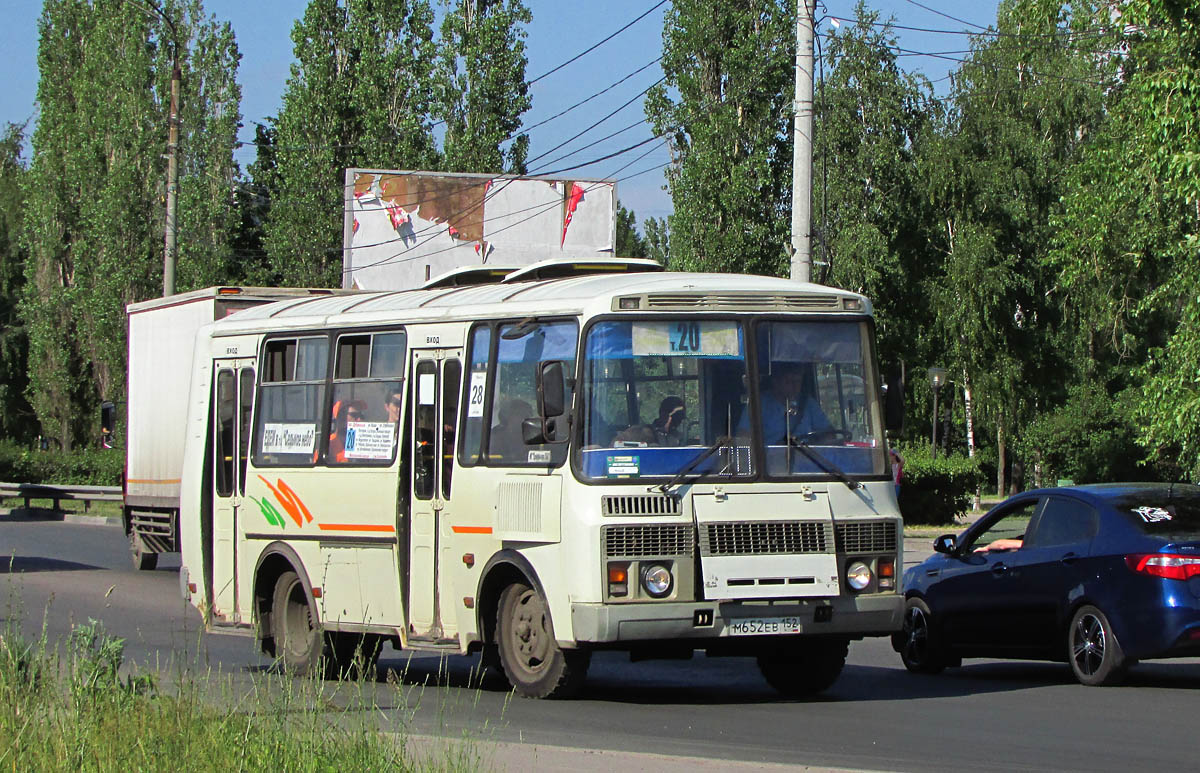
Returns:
(437,376)
(233,398)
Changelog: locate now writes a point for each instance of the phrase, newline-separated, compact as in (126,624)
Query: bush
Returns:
(86,467)
(934,491)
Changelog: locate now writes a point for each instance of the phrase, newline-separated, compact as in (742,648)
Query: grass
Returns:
(83,710)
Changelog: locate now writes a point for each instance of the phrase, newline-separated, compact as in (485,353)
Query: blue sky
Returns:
(559,33)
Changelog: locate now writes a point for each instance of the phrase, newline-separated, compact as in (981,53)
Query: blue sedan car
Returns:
(1099,576)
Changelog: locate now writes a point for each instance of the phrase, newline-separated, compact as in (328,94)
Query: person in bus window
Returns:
(392,405)
(670,426)
(507,441)
(786,406)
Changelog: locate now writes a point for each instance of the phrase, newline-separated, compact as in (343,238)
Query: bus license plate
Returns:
(763,626)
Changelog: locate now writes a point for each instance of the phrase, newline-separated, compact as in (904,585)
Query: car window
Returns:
(1173,517)
(1005,530)
(1063,522)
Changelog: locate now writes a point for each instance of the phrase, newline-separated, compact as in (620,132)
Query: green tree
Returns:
(629,243)
(482,88)
(1022,104)
(94,209)
(658,240)
(871,118)
(1127,246)
(360,94)
(16,415)
(726,105)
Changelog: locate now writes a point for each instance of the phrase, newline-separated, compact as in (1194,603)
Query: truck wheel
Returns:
(811,668)
(535,665)
(299,644)
(143,560)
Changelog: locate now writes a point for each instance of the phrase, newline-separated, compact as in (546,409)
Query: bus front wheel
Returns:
(298,640)
(535,665)
(812,668)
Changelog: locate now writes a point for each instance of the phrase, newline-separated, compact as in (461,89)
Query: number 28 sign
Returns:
(690,338)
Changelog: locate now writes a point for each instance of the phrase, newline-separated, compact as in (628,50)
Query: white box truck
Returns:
(161,337)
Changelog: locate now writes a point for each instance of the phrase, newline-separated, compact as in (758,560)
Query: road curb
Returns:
(515,757)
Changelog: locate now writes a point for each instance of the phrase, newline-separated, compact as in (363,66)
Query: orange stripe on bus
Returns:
(471,529)
(355,527)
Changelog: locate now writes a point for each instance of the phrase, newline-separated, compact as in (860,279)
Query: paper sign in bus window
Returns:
(369,439)
(289,438)
(623,465)
(475,398)
(685,338)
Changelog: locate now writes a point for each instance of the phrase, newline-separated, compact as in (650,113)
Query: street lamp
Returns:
(937,379)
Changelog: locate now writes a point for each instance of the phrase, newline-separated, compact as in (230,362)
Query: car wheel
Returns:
(535,665)
(299,644)
(812,668)
(1095,654)
(917,643)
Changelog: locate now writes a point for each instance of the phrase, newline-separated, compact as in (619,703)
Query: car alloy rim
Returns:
(1088,646)
(916,641)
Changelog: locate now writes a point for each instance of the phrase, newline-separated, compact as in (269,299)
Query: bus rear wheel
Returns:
(811,668)
(535,665)
(143,560)
(299,644)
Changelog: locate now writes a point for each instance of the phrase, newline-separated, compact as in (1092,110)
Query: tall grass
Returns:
(79,709)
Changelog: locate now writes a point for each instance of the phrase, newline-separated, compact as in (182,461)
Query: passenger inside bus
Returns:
(343,411)
(392,405)
(507,443)
(670,428)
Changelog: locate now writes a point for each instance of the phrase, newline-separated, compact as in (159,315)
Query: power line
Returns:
(637,96)
(581,54)
(589,99)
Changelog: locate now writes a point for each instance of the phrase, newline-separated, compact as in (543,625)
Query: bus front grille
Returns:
(866,537)
(765,537)
(640,504)
(650,540)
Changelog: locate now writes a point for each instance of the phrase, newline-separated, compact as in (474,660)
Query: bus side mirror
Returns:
(551,397)
(893,403)
(108,413)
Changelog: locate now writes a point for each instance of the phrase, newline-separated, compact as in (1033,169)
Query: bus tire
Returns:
(299,643)
(143,560)
(535,665)
(811,668)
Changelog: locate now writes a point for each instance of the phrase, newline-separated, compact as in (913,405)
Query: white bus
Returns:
(564,459)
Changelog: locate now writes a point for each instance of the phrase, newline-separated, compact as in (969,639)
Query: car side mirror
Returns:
(947,543)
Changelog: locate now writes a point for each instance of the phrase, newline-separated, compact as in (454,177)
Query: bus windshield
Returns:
(659,394)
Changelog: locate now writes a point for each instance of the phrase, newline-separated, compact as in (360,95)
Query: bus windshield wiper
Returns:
(822,462)
(720,443)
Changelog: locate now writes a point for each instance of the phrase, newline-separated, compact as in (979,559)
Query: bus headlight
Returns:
(657,580)
(858,575)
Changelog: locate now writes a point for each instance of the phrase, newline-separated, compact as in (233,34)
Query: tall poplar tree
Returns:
(95,190)
(482,91)
(16,416)
(360,94)
(726,105)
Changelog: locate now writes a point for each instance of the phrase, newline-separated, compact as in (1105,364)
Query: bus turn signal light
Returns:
(618,578)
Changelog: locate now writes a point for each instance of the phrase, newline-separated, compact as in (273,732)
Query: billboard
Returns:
(404,228)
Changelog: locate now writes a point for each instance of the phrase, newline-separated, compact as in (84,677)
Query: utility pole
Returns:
(172,181)
(801,269)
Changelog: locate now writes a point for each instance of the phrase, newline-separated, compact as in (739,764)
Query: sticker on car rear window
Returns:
(1153,514)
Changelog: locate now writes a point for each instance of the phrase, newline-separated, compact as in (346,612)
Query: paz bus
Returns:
(542,463)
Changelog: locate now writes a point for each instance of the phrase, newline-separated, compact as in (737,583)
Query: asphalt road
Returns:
(988,715)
